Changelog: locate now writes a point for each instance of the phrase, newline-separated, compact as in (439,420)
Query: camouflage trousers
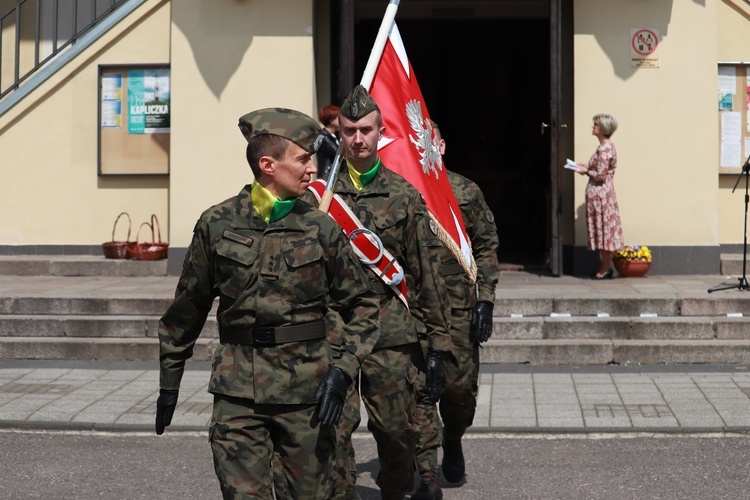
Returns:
(387,389)
(245,437)
(458,401)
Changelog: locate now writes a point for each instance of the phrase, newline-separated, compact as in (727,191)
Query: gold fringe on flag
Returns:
(448,241)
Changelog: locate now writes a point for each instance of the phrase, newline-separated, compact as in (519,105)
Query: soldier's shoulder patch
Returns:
(433,227)
(490,216)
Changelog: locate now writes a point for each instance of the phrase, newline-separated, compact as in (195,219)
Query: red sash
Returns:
(365,243)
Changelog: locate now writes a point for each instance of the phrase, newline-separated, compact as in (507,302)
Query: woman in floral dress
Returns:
(602,212)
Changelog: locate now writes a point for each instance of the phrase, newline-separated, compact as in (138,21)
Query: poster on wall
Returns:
(727,84)
(148,101)
(111,114)
(134,119)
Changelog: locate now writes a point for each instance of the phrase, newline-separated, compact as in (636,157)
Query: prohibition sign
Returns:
(645,42)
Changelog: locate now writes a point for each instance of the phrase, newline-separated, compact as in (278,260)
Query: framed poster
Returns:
(134,119)
(733,104)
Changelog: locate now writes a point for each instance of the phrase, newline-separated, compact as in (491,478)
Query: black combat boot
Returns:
(454,466)
(429,487)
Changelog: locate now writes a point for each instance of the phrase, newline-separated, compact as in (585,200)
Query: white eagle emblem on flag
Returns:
(425,142)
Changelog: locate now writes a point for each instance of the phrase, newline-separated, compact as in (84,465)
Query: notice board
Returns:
(734,126)
(134,119)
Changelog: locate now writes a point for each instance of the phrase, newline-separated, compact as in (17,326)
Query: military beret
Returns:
(358,104)
(288,123)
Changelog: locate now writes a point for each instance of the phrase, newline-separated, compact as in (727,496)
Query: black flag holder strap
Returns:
(742,285)
(366,244)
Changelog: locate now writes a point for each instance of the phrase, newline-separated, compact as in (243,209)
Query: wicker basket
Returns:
(118,249)
(156,250)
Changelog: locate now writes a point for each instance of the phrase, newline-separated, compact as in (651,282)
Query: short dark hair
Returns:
(271,145)
(327,114)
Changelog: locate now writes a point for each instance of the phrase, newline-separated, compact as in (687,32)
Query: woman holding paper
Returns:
(602,211)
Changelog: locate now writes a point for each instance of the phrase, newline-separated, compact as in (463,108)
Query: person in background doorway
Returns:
(471,306)
(329,138)
(602,212)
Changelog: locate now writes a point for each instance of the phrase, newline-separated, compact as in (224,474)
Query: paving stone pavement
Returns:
(120,396)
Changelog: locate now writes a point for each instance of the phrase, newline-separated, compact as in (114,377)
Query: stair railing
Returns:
(40,30)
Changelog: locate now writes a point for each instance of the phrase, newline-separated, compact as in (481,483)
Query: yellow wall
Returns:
(734,46)
(50,193)
(667,140)
(229,58)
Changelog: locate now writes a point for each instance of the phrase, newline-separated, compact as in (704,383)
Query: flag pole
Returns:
(366,81)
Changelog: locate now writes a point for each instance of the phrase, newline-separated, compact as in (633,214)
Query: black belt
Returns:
(262,336)
(452,268)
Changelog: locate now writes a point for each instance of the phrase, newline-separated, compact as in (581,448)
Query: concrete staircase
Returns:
(92,308)
(86,308)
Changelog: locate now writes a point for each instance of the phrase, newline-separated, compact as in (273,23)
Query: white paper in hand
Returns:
(571,165)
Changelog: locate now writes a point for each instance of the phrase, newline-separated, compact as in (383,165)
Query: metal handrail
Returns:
(45,23)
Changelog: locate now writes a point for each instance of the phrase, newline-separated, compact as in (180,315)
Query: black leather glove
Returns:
(481,320)
(165,405)
(331,394)
(435,372)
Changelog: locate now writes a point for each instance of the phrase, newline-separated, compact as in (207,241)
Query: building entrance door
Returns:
(485,75)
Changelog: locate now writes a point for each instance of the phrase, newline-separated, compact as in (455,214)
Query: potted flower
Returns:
(633,260)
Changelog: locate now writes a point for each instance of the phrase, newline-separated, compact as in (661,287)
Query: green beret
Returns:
(288,123)
(358,104)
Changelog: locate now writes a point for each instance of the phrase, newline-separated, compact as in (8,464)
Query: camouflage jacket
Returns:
(394,210)
(285,273)
(480,226)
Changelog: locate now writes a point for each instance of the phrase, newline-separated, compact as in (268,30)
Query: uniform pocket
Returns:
(305,261)
(234,264)
(390,229)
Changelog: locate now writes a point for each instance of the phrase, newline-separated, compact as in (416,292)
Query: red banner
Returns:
(410,147)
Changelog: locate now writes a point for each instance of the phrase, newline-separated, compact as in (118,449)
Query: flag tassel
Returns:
(446,239)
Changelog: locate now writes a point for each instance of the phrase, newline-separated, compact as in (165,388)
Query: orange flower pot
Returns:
(632,268)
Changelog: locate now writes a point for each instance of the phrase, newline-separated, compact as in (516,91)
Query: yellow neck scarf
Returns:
(268,206)
(360,180)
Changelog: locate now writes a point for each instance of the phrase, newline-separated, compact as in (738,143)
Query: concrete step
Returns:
(99,326)
(623,352)
(98,265)
(84,305)
(552,328)
(78,265)
(98,349)
(623,328)
(126,300)
(536,352)
(731,264)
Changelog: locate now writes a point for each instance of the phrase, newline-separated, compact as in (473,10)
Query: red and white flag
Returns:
(409,146)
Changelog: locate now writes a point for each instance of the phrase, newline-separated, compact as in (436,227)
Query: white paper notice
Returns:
(731,139)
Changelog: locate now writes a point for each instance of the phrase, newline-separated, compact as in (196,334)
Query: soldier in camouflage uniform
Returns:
(471,323)
(393,209)
(277,264)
